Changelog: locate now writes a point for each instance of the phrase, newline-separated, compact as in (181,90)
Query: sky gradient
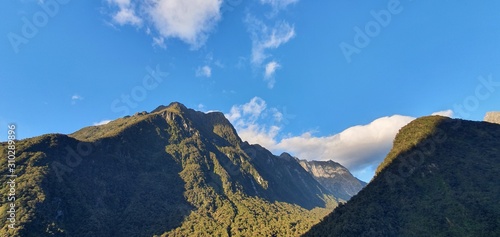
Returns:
(321,80)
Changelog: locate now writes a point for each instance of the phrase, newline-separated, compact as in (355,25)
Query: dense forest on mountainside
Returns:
(439,179)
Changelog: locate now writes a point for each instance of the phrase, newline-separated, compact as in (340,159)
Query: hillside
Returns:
(439,179)
(337,179)
(171,172)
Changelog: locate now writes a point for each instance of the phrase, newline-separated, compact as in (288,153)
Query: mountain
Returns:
(439,179)
(334,177)
(171,172)
(492,117)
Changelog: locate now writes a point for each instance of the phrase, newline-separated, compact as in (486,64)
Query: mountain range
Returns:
(171,172)
(179,172)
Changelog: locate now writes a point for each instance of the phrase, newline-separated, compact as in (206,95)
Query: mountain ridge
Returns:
(171,172)
(439,179)
(334,177)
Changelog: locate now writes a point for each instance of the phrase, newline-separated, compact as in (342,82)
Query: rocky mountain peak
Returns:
(334,177)
(492,117)
(174,106)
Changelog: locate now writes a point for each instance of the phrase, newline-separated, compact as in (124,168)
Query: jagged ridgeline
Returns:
(171,172)
(337,179)
(441,178)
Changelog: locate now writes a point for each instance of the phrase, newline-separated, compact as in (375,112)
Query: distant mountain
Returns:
(171,172)
(334,177)
(492,117)
(441,178)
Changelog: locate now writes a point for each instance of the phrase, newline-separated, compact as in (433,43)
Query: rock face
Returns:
(334,177)
(492,117)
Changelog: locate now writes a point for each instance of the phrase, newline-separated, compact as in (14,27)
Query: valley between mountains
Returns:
(179,172)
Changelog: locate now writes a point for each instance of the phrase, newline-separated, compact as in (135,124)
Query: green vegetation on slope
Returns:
(440,179)
(173,172)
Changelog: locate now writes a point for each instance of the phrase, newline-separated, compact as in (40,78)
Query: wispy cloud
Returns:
(270,69)
(445,113)
(190,21)
(125,13)
(278,5)
(248,121)
(266,37)
(205,71)
(75,98)
(103,122)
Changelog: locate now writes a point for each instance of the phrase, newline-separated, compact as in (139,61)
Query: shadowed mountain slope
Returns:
(171,172)
(441,178)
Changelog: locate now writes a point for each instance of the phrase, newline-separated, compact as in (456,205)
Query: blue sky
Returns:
(323,80)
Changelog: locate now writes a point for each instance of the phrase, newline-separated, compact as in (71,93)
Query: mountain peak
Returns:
(184,172)
(334,177)
(286,156)
(492,117)
(439,179)
(174,106)
(416,131)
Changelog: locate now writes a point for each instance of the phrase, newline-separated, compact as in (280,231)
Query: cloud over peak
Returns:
(360,148)
(446,113)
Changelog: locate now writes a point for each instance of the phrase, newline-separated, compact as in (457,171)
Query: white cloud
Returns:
(75,98)
(127,16)
(360,148)
(270,69)
(266,37)
(245,118)
(103,122)
(160,42)
(446,113)
(254,108)
(190,21)
(125,13)
(204,71)
(251,110)
(355,147)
